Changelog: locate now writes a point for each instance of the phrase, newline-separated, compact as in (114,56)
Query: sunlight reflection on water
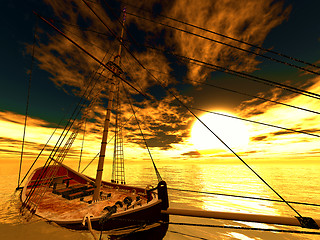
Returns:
(295,183)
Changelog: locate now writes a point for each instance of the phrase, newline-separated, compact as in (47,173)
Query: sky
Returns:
(61,73)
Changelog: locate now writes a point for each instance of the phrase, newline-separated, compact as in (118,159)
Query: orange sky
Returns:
(169,131)
(265,144)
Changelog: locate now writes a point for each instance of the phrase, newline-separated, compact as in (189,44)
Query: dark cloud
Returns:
(192,153)
(163,123)
(168,124)
(259,138)
(283,132)
(250,152)
(312,130)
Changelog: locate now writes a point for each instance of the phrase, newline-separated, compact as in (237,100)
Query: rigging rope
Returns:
(91,55)
(225,36)
(246,197)
(91,161)
(192,113)
(80,102)
(261,98)
(226,89)
(220,68)
(170,92)
(226,44)
(107,144)
(37,193)
(242,93)
(118,170)
(227,146)
(84,133)
(239,74)
(34,162)
(94,98)
(233,72)
(28,99)
(261,123)
(142,135)
(256,122)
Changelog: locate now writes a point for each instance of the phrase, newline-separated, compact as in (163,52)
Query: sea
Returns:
(299,182)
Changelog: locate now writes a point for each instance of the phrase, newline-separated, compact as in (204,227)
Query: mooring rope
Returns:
(247,197)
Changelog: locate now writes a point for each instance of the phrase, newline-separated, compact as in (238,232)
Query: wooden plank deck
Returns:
(54,206)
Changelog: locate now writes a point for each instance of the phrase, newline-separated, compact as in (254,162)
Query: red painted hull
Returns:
(70,213)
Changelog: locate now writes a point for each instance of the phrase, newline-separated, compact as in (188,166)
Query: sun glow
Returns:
(232,131)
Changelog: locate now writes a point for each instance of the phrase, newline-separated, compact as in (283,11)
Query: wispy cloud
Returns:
(249,21)
(282,142)
(169,125)
(38,133)
(192,154)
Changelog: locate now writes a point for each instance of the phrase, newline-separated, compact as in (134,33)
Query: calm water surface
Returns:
(294,182)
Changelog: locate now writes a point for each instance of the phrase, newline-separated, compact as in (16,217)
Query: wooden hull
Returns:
(66,201)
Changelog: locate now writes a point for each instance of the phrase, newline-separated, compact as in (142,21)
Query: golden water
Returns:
(295,182)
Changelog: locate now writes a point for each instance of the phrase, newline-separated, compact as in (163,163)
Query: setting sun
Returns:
(232,131)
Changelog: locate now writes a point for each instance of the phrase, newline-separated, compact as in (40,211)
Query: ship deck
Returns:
(69,196)
(54,206)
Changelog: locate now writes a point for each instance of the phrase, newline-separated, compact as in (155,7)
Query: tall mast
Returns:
(115,66)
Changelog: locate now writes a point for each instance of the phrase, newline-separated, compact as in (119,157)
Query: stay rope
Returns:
(191,112)
(143,137)
(107,144)
(226,44)
(225,36)
(238,73)
(258,97)
(36,193)
(241,93)
(170,92)
(82,144)
(245,197)
(256,122)
(59,124)
(28,100)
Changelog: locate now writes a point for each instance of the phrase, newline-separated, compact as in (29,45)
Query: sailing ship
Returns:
(59,194)
(67,201)
(68,198)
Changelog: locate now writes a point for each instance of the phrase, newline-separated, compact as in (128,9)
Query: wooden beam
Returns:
(248,217)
